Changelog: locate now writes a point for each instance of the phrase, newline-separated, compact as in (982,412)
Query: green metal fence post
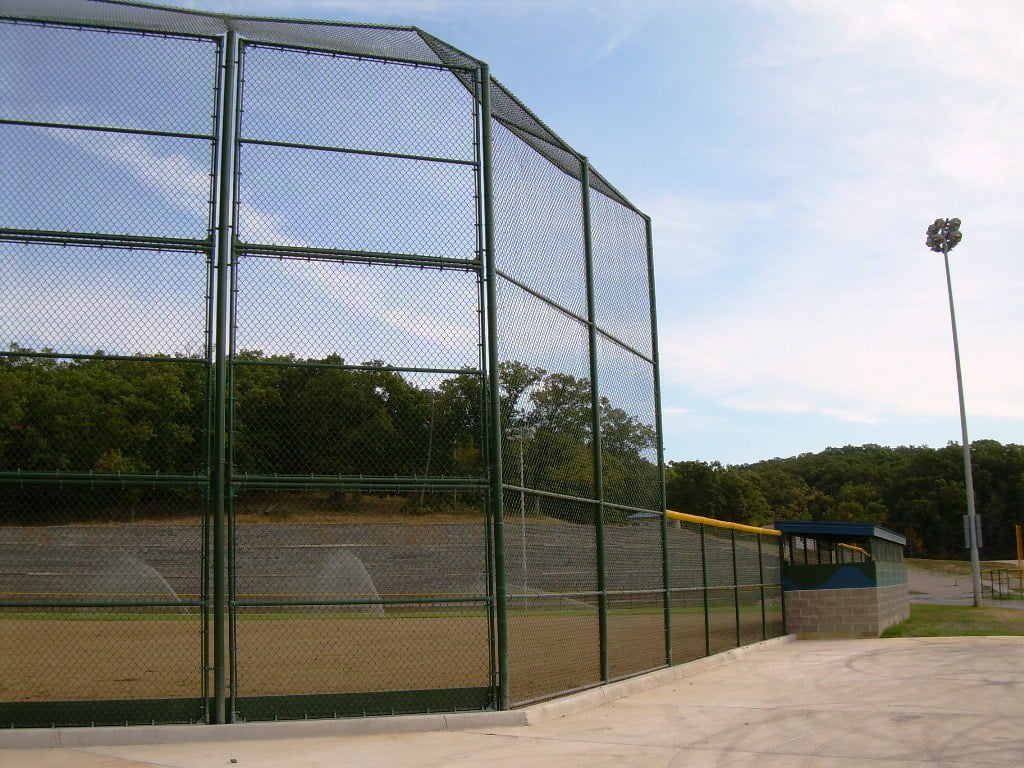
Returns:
(494,425)
(704,578)
(760,579)
(782,579)
(736,586)
(662,501)
(218,475)
(595,427)
(205,565)
(483,398)
(232,489)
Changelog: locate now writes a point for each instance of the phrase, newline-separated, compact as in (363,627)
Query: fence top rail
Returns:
(671,515)
(397,44)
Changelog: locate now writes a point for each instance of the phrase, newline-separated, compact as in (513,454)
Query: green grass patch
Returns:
(958,621)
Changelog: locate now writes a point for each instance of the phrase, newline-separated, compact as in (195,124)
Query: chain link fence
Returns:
(330,386)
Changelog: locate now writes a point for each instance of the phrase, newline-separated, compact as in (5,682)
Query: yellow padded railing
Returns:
(671,515)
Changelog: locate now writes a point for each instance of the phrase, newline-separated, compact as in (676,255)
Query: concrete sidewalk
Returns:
(954,702)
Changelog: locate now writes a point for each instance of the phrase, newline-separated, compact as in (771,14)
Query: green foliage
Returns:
(548,424)
(101,415)
(290,416)
(712,490)
(917,491)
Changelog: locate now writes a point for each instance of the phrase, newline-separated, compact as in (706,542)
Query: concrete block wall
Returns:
(841,613)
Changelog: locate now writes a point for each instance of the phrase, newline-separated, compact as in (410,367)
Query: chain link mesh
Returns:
(83,162)
(546,396)
(621,276)
(551,574)
(62,179)
(636,623)
(280,324)
(107,416)
(774,616)
(749,559)
(82,300)
(636,633)
(298,197)
(290,96)
(101,591)
(355,373)
(629,436)
(550,547)
(356,592)
(355,313)
(365,40)
(722,592)
(539,223)
(340,197)
(402,43)
(312,420)
(689,625)
(686,591)
(106,141)
(128,81)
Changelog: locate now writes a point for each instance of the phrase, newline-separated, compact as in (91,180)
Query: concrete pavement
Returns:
(952,702)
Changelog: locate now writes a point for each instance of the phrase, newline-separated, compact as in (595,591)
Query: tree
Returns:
(712,490)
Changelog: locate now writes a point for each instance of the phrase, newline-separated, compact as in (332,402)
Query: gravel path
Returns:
(931,584)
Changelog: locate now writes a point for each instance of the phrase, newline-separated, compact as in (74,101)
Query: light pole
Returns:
(943,236)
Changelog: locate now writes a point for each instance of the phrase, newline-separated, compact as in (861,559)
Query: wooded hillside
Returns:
(917,491)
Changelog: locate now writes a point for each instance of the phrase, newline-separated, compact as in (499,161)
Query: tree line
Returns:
(917,491)
(292,416)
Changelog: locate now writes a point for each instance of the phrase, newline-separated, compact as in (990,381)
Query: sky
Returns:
(791,155)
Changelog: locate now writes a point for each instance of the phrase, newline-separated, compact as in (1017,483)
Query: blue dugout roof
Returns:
(832,530)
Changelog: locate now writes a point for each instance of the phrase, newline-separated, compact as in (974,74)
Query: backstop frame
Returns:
(608,362)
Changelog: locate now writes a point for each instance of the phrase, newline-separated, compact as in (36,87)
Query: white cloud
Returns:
(622,20)
(693,236)
(177,177)
(875,120)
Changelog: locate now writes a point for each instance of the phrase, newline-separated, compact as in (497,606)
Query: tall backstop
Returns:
(329,386)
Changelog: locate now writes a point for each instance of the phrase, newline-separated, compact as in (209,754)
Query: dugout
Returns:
(842,579)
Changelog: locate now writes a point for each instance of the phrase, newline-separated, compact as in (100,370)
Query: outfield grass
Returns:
(958,620)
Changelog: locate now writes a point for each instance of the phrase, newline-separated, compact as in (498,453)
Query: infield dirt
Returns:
(56,659)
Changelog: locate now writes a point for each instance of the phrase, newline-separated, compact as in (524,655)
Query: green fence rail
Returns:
(1004,583)
(330,386)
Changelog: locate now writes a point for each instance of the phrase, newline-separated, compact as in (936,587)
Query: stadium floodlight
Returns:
(942,236)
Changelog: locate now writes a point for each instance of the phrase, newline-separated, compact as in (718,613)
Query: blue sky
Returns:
(791,154)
